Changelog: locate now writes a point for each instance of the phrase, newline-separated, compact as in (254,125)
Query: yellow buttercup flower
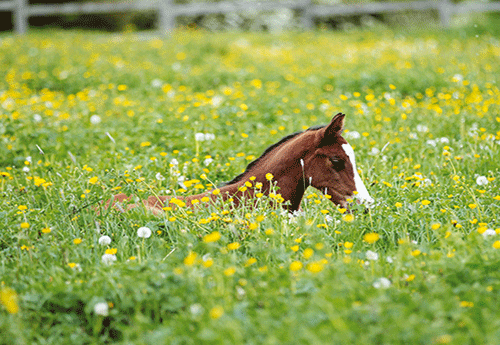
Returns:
(296,266)
(371,237)
(212,237)
(190,259)
(8,298)
(216,312)
(233,246)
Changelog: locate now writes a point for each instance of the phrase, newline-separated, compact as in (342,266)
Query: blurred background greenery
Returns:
(273,21)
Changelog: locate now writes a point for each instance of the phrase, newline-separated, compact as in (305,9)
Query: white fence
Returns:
(168,11)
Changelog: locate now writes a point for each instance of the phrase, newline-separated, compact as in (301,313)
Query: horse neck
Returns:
(284,164)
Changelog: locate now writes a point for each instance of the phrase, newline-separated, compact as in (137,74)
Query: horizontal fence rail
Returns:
(168,11)
(7,5)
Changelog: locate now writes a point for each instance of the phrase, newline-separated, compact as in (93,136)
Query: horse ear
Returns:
(336,126)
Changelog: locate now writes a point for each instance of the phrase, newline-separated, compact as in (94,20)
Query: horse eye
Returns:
(338,164)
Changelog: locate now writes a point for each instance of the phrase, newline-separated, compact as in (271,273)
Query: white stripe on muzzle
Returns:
(363,194)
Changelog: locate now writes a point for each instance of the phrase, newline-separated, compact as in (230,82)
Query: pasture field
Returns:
(85,116)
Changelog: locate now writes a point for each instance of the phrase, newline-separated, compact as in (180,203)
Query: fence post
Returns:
(166,16)
(306,18)
(445,8)
(21,14)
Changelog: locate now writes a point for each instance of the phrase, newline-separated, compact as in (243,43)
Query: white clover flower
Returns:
(473,130)
(431,142)
(382,283)
(37,118)
(159,177)
(389,259)
(216,101)
(26,169)
(104,240)
(426,183)
(108,259)
(422,128)
(352,135)
(209,136)
(208,161)
(156,83)
(444,140)
(370,255)
(374,151)
(457,78)
(323,107)
(180,181)
(144,232)
(240,292)
(482,180)
(199,137)
(95,119)
(489,232)
(29,159)
(196,309)
(101,308)
(292,217)
(174,162)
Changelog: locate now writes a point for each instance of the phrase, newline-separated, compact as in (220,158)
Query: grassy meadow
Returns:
(84,116)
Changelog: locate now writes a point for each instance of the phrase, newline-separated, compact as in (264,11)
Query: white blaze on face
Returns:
(363,194)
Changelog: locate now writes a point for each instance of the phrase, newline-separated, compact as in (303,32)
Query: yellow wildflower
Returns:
(250,262)
(308,253)
(230,271)
(8,298)
(233,246)
(212,237)
(435,226)
(216,312)
(315,267)
(371,237)
(190,259)
(348,217)
(295,266)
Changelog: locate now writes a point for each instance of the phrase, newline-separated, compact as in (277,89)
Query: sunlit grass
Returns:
(86,117)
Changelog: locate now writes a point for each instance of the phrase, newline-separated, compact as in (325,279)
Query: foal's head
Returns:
(331,167)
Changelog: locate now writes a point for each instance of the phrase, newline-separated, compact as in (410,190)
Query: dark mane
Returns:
(269,149)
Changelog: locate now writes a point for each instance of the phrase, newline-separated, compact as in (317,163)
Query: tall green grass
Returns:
(84,117)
